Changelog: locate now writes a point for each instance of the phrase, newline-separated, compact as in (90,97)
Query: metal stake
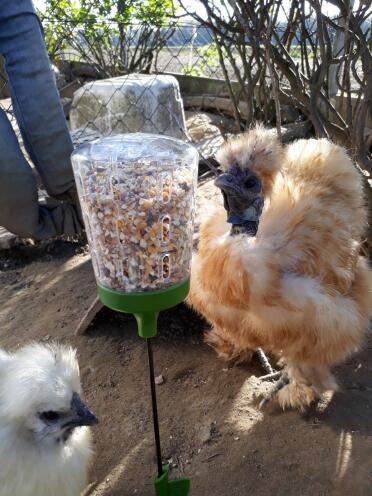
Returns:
(154,407)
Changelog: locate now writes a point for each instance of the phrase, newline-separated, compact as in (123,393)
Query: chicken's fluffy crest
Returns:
(33,375)
(259,149)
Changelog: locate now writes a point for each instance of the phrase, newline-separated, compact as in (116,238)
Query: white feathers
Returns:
(36,375)
(34,379)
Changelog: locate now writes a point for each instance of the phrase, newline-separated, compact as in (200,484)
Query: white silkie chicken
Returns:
(45,444)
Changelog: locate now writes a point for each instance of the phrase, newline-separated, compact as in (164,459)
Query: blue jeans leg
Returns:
(35,100)
(44,130)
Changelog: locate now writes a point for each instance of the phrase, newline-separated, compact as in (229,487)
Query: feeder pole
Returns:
(154,406)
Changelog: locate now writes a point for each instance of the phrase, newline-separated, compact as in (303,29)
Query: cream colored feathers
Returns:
(299,289)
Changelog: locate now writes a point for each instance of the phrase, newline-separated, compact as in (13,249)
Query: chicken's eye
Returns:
(250,183)
(50,416)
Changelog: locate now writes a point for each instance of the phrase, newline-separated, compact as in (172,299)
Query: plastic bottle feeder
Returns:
(137,194)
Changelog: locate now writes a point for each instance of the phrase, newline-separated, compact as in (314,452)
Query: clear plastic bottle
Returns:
(137,193)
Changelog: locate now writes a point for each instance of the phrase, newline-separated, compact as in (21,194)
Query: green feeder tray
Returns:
(144,306)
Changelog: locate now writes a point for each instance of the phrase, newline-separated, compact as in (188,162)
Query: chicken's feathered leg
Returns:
(300,385)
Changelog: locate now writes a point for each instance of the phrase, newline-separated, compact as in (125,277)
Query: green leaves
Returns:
(123,11)
(117,36)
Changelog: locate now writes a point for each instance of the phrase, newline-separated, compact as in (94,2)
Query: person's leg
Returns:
(18,192)
(19,209)
(35,98)
(42,123)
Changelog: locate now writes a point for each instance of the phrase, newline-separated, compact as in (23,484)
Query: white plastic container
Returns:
(137,193)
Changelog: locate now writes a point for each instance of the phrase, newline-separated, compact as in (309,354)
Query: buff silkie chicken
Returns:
(45,444)
(282,270)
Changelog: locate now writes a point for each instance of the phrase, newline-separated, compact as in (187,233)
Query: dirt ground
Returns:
(211,428)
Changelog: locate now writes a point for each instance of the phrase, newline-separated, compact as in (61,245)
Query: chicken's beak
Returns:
(227,183)
(234,200)
(80,414)
(229,188)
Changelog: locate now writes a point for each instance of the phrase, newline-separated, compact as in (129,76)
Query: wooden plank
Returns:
(89,315)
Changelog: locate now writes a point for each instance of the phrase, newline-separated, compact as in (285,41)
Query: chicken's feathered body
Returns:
(299,288)
(45,446)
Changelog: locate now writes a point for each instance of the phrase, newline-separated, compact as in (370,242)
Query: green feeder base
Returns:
(144,306)
(164,487)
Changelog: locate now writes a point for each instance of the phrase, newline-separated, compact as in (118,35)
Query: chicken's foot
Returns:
(269,377)
(279,384)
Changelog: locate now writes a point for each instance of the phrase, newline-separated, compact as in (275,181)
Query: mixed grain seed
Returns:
(139,222)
